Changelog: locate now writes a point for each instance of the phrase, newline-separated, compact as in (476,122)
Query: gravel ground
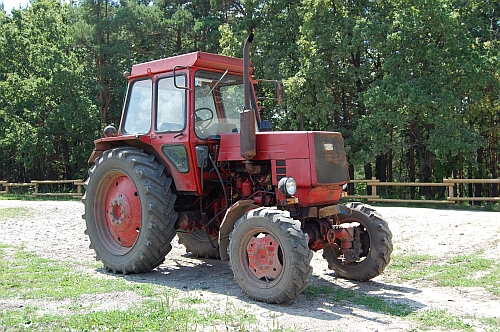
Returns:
(54,230)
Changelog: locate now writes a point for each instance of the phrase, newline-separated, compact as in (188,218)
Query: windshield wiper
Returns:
(220,79)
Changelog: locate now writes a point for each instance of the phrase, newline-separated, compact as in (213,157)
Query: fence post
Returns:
(36,186)
(374,187)
(451,189)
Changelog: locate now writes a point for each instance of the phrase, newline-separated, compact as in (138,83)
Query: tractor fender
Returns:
(235,212)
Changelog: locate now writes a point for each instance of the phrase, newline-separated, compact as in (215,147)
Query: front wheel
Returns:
(269,256)
(376,245)
(129,211)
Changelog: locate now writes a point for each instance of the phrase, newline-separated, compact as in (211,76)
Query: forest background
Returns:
(413,85)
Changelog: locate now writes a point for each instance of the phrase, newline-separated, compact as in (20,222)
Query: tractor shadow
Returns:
(326,298)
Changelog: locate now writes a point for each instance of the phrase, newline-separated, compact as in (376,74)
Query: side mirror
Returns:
(278,91)
(175,77)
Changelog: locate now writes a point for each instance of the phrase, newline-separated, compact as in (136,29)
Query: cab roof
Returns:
(201,60)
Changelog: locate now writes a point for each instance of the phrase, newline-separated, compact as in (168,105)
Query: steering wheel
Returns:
(203,123)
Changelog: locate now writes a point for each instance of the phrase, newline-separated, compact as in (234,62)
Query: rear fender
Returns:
(103,144)
(235,212)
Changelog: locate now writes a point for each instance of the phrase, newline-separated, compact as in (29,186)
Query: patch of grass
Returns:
(374,303)
(492,324)
(15,212)
(192,300)
(440,318)
(20,317)
(461,271)
(470,271)
(28,197)
(27,276)
(24,275)
(150,316)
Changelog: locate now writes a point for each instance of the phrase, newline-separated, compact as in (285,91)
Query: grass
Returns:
(15,212)
(28,197)
(493,324)
(429,319)
(459,271)
(374,303)
(150,316)
(41,285)
(27,276)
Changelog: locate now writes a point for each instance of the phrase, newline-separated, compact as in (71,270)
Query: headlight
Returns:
(287,186)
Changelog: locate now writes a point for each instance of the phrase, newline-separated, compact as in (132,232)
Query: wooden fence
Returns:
(449,183)
(36,184)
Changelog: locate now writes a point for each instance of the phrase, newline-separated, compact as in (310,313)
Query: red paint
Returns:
(123,211)
(262,257)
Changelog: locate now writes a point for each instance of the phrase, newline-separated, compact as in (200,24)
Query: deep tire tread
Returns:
(300,256)
(380,248)
(158,220)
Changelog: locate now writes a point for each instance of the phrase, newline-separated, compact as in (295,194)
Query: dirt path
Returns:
(54,230)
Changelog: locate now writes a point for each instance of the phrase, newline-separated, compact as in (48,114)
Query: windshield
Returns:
(138,108)
(218,102)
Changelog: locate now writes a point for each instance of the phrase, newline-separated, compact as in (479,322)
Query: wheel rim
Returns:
(262,259)
(364,239)
(118,213)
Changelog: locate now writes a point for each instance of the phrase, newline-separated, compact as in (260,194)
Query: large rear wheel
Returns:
(269,255)
(199,244)
(376,245)
(129,211)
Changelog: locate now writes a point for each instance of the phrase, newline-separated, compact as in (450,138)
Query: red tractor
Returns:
(193,157)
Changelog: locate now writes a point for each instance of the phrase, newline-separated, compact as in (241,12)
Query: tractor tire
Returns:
(129,211)
(198,244)
(269,256)
(376,245)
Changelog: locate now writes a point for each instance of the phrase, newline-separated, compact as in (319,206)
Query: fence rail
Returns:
(449,183)
(373,183)
(36,184)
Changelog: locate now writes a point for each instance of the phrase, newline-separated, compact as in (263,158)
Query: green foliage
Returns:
(411,84)
(48,120)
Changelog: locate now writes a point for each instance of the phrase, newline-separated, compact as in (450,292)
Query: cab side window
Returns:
(171,109)
(138,108)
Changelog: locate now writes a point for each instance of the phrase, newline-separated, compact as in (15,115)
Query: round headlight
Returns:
(287,186)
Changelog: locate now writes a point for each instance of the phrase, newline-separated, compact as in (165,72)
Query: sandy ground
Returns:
(55,230)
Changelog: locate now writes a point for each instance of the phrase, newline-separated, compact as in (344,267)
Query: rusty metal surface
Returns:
(263,257)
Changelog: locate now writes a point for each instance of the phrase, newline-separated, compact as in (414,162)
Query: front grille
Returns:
(330,160)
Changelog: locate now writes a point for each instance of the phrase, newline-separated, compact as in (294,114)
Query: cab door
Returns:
(171,134)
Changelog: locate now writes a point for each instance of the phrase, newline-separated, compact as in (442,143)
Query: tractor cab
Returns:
(185,96)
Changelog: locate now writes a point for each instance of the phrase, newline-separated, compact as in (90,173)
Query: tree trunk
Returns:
(411,161)
(478,187)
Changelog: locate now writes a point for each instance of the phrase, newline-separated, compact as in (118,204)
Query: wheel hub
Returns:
(119,210)
(263,260)
(122,211)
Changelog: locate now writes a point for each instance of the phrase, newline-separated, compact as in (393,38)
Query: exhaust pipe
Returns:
(247,116)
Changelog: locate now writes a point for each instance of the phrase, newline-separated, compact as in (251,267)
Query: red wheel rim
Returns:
(118,213)
(262,259)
